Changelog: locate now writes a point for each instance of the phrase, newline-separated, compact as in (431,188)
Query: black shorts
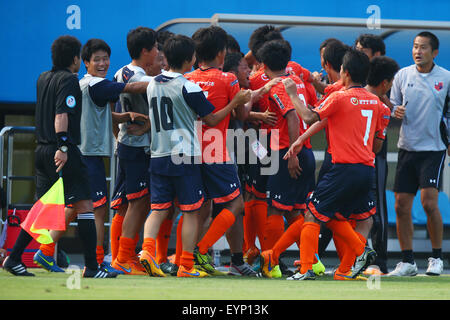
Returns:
(74,173)
(418,170)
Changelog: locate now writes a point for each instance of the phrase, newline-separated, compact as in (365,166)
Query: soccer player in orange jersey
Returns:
(256,206)
(236,64)
(287,188)
(219,175)
(343,192)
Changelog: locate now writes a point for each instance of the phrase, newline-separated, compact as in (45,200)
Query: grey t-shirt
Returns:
(96,122)
(175,105)
(425,95)
(133,102)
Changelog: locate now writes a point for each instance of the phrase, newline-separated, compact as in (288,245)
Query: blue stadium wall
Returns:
(29,27)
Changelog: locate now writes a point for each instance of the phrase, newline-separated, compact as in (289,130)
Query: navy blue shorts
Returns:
(310,180)
(326,165)
(97,179)
(221,182)
(344,192)
(286,193)
(257,182)
(187,190)
(133,177)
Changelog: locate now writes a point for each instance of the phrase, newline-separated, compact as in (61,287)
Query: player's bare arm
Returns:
(240,99)
(293,129)
(267,117)
(305,113)
(377,145)
(316,78)
(136,87)
(297,146)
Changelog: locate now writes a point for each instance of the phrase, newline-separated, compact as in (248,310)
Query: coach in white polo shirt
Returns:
(420,95)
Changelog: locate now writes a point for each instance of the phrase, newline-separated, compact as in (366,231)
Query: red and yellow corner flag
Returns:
(47,214)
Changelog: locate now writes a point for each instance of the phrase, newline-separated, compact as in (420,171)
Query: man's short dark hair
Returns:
(381,68)
(327,42)
(262,35)
(178,49)
(373,42)
(138,39)
(275,54)
(232,44)
(161,37)
(434,41)
(92,46)
(209,42)
(64,49)
(357,64)
(334,53)
(232,61)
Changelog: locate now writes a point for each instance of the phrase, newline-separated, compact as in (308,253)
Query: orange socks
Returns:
(100,252)
(149,245)
(259,220)
(48,249)
(344,230)
(291,235)
(309,243)
(179,245)
(218,227)
(348,256)
(187,260)
(249,226)
(162,241)
(126,249)
(274,230)
(116,232)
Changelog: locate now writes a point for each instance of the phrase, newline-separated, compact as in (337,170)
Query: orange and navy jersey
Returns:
(353,119)
(338,85)
(219,88)
(257,81)
(280,103)
(385,115)
(304,74)
(329,89)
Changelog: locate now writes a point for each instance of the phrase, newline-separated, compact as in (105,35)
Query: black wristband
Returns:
(61,139)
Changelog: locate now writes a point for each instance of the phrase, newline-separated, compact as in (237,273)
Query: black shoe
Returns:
(169,268)
(382,265)
(284,269)
(99,273)
(363,261)
(16,268)
(62,260)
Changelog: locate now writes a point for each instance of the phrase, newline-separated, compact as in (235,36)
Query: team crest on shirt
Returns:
(354,101)
(71,101)
(438,85)
(265,77)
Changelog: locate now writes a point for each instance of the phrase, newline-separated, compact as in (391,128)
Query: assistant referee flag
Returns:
(47,214)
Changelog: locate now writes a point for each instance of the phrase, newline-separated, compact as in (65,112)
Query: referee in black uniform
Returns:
(58,113)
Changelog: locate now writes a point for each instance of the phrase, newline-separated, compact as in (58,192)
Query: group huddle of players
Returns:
(172,108)
(285,104)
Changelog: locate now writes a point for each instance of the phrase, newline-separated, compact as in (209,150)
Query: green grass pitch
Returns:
(53,286)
